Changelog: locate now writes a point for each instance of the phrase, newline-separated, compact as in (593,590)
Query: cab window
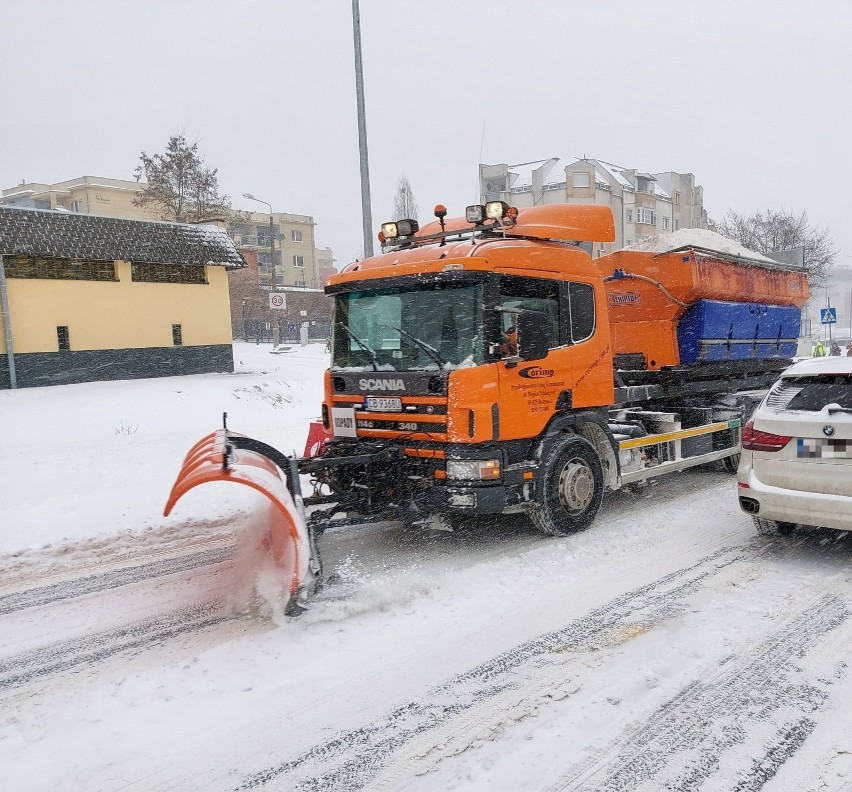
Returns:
(581,301)
(527,294)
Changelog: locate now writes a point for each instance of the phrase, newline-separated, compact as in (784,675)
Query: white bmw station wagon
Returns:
(796,462)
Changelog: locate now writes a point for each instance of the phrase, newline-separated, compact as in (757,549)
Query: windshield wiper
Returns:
(373,359)
(836,408)
(427,348)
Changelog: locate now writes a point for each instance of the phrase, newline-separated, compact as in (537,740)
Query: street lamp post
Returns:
(271,237)
(275,331)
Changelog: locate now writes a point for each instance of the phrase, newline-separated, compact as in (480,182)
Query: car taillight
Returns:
(755,440)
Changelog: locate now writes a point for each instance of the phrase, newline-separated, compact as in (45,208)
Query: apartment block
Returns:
(643,204)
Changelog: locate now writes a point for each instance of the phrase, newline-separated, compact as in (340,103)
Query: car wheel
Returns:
(571,490)
(772,527)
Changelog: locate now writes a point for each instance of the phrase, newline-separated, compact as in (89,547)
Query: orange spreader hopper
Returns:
(218,457)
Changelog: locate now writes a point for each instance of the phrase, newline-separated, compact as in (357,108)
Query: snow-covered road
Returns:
(667,647)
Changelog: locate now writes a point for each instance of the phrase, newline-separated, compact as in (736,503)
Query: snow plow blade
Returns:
(226,456)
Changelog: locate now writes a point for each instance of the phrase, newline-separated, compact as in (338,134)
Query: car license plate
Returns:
(383,404)
(818,448)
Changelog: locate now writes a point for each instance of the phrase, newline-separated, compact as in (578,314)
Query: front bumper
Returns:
(492,499)
(793,506)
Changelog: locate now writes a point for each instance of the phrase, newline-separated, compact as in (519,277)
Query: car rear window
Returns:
(811,393)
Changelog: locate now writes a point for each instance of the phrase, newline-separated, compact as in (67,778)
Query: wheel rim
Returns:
(576,486)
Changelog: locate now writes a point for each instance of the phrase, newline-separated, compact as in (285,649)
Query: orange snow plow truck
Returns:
(488,365)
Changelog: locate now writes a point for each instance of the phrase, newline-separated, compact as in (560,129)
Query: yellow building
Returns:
(291,244)
(93,298)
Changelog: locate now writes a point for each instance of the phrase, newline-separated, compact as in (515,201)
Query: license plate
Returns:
(383,404)
(817,448)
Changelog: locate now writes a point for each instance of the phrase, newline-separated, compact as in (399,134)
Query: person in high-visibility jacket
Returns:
(819,349)
(509,345)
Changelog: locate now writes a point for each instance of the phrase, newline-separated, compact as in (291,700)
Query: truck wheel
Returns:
(772,527)
(731,463)
(571,490)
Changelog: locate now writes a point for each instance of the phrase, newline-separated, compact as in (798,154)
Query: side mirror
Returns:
(533,335)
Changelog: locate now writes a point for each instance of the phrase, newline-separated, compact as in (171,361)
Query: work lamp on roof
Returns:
(407,227)
(496,210)
(474,213)
(400,228)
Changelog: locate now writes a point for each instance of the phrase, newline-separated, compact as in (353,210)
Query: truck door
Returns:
(529,389)
(591,355)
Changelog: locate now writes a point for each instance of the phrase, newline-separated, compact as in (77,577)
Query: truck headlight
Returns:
(473,469)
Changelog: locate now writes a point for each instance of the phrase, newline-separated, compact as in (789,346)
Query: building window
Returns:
(63,338)
(580,179)
(677,197)
(665,224)
(76,206)
(646,216)
(264,260)
(168,273)
(677,225)
(177,335)
(58,269)
(296,236)
(298,261)
(263,236)
(629,217)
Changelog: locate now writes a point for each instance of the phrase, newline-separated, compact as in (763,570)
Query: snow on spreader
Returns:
(227,456)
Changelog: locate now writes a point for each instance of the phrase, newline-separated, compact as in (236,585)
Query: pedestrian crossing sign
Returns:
(828,315)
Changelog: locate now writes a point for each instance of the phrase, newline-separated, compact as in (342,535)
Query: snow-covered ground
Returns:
(667,647)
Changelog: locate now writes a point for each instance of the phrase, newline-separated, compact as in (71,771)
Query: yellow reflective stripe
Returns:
(638,442)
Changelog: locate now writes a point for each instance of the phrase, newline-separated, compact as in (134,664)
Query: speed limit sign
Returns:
(277,300)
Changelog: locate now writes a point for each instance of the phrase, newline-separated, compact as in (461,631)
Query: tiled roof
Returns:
(66,235)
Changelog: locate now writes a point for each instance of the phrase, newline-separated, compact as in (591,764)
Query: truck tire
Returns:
(572,488)
(772,527)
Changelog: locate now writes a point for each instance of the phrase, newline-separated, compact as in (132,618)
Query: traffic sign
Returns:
(828,315)
(278,300)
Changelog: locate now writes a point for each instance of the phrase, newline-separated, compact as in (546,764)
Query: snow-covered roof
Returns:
(701,240)
(660,192)
(553,173)
(615,171)
(67,235)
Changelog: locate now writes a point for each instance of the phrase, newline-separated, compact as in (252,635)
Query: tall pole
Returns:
(272,251)
(7,326)
(366,211)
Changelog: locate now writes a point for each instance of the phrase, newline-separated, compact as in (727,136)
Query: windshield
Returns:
(407,329)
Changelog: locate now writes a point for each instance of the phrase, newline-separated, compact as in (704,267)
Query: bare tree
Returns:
(766,232)
(179,184)
(404,206)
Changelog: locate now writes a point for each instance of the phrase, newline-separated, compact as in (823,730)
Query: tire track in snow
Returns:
(61,656)
(77,587)
(353,758)
(683,744)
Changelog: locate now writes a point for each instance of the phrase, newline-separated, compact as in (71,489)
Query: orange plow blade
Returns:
(214,458)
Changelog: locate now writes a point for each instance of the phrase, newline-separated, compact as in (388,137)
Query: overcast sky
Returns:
(752,96)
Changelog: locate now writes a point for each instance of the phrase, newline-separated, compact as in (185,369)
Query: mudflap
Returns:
(219,457)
